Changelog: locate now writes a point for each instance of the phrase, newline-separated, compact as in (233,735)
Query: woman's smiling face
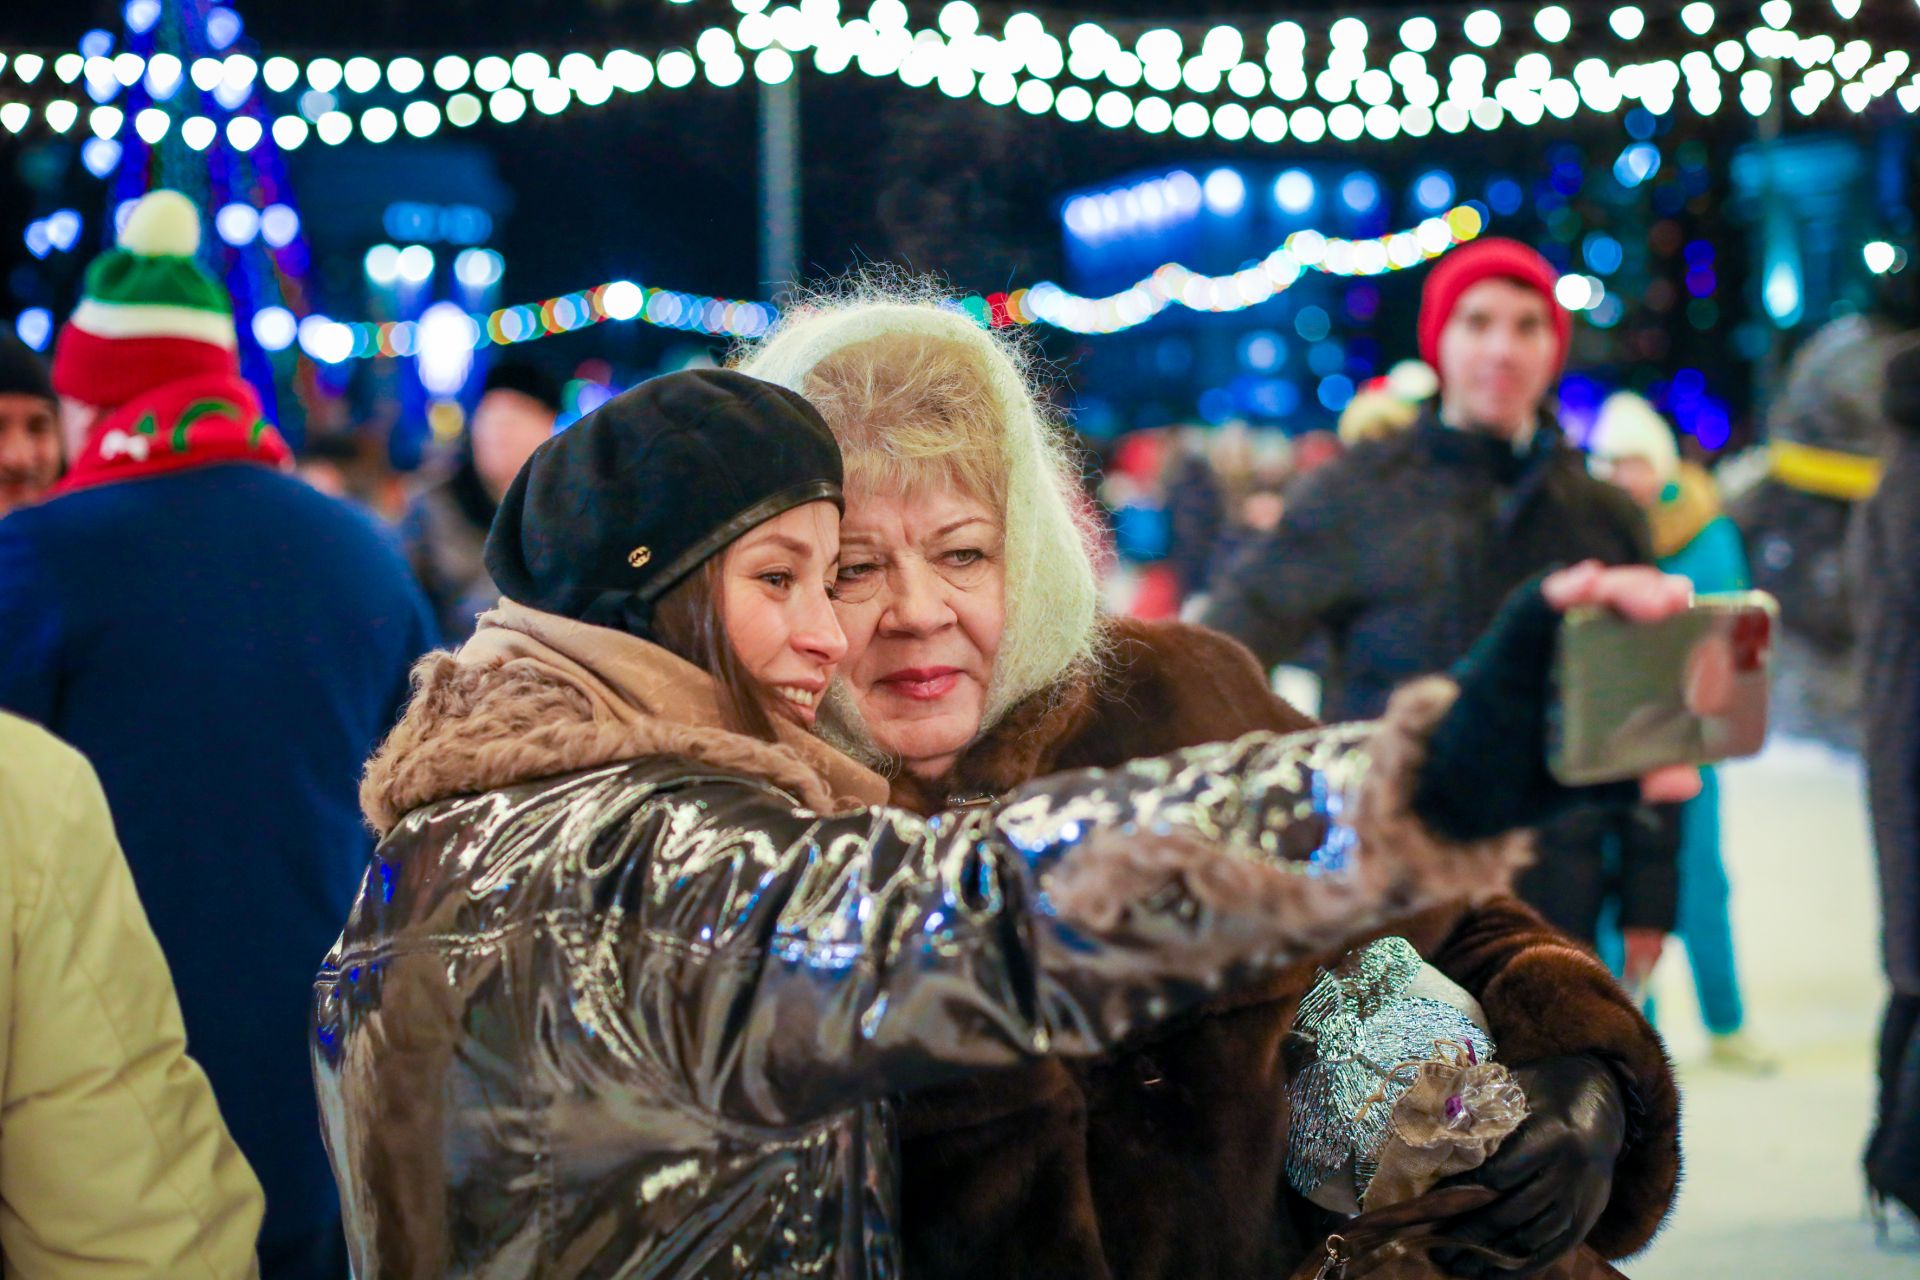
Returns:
(921,594)
(774,596)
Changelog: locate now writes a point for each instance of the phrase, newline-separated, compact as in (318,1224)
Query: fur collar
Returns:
(535,696)
(1168,685)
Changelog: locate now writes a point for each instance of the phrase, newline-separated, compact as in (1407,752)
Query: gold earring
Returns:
(639,556)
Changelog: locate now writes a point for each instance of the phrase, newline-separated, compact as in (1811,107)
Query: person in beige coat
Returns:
(114,1161)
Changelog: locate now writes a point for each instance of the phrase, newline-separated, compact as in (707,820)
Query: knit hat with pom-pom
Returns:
(151,348)
(150,314)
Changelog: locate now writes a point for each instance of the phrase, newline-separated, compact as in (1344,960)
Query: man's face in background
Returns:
(1499,357)
(31,458)
(507,427)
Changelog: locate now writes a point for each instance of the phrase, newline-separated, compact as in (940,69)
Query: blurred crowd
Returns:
(135,617)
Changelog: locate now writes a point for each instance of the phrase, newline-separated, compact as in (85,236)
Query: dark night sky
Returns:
(662,188)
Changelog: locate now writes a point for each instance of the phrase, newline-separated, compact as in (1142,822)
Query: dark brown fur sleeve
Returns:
(1543,997)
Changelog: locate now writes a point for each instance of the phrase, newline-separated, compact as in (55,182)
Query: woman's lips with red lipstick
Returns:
(923,684)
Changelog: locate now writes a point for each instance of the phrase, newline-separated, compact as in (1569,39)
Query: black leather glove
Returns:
(1486,770)
(1554,1173)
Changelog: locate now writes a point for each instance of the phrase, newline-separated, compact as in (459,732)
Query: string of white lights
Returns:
(1303,251)
(334,341)
(1154,84)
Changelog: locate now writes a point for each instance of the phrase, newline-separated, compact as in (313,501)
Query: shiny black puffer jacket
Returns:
(643,1019)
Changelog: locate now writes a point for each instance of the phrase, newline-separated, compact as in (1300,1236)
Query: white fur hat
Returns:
(1051,591)
(1629,427)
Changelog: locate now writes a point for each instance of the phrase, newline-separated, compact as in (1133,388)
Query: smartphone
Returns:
(1634,697)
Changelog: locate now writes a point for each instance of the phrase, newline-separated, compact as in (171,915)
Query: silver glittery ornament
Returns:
(1361,1034)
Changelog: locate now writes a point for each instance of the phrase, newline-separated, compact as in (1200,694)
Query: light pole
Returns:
(780,183)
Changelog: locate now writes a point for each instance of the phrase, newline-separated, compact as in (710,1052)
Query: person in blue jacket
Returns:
(1633,446)
(226,646)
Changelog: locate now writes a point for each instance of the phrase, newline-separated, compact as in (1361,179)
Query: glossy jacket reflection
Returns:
(640,1020)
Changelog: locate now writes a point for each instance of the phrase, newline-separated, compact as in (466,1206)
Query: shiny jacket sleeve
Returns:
(784,965)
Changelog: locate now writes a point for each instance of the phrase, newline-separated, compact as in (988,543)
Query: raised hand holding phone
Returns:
(1684,690)
(1640,594)
(1486,771)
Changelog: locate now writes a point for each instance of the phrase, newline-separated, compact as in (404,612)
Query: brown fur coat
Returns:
(1166,1160)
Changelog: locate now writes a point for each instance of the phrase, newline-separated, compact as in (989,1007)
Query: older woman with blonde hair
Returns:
(978,660)
(934,435)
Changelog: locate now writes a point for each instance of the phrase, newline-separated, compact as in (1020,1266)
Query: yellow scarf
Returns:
(1831,473)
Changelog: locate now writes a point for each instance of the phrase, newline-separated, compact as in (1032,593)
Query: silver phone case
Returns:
(1624,688)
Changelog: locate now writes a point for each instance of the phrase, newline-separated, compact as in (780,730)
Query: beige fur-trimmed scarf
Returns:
(535,695)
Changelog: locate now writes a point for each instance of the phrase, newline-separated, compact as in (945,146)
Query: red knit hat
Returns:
(150,313)
(1494,257)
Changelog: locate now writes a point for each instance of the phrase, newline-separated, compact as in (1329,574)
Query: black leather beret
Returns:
(609,514)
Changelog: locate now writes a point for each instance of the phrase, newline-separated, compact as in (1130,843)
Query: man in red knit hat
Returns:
(1493,330)
(1399,553)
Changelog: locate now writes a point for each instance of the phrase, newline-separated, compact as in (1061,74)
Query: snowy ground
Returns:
(1773,1186)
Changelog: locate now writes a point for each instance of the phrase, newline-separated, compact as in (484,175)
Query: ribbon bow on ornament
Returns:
(1394,1087)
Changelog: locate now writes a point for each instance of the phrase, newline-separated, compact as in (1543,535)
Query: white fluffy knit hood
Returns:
(1051,592)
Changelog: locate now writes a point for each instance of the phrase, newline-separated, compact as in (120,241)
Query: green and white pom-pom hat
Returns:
(151,314)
